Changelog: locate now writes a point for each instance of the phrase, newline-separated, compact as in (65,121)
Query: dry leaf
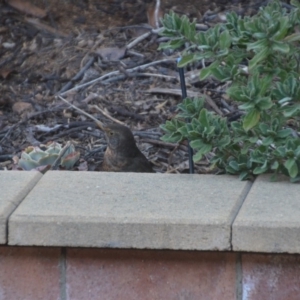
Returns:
(5,72)
(15,159)
(111,53)
(82,166)
(21,107)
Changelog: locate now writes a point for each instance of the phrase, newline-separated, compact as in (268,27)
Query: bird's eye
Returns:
(111,133)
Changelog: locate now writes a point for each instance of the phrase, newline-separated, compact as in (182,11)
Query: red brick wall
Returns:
(58,273)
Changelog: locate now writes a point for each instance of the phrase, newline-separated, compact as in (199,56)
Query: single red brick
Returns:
(275,276)
(141,274)
(28,273)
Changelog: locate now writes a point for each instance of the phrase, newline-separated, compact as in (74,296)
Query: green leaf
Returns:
(260,35)
(260,170)
(204,73)
(291,110)
(203,118)
(283,133)
(291,166)
(281,151)
(172,137)
(174,44)
(169,126)
(257,45)
(284,27)
(198,156)
(285,100)
(295,3)
(275,165)
(244,175)
(186,27)
(194,134)
(183,130)
(247,106)
(263,128)
(218,73)
(281,47)
(234,165)
(185,60)
(251,119)
(297,152)
(264,103)
(258,57)
(200,146)
(223,142)
(253,139)
(224,40)
(268,141)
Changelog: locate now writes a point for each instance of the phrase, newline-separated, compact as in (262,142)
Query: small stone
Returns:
(39,97)
(90,43)
(57,42)
(7,45)
(82,43)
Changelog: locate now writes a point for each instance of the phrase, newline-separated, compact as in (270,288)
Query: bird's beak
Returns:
(105,128)
(100,125)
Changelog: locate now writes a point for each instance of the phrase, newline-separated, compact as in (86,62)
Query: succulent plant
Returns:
(34,157)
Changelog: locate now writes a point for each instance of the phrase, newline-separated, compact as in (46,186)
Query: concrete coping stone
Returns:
(149,211)
(14,186)
(269,220)
(129,210)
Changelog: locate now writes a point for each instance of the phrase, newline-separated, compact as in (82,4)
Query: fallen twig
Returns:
(45,27)
(100,124)
(7,133)
(106,114)
(64,133)
(78,75)
(158,75)
(142,67)
(191,94)
(165,144)
(134,53)
(121,111)
(138,39)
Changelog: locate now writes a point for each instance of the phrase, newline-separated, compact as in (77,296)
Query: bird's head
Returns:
(118,136)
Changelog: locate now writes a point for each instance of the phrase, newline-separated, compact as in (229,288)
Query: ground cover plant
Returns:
(258,59)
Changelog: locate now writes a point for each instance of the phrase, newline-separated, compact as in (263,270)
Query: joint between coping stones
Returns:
(243,196)
(62,274)
(16,205)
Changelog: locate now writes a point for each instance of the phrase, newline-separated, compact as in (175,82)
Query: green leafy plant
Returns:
(259,56)
(34,157)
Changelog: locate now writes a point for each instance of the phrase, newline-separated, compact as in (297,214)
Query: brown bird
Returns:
(122,153)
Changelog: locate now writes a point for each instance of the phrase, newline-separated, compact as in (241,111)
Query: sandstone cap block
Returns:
(129,210)
(14,186)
